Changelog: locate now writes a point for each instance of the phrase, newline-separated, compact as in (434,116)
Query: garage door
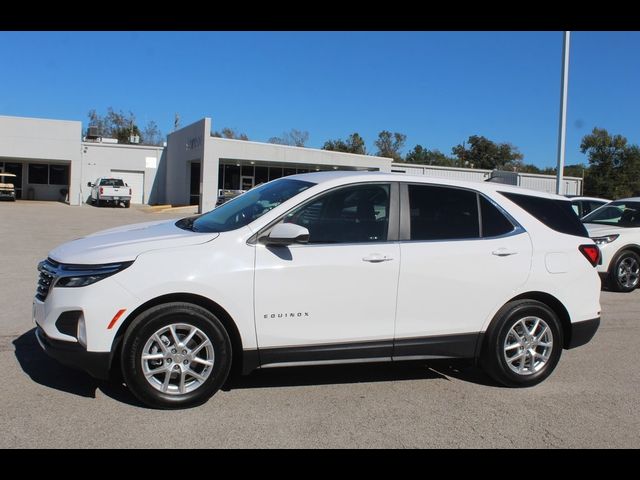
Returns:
(135,180)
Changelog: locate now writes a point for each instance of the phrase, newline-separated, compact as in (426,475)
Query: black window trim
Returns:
(405,215)
(393,231)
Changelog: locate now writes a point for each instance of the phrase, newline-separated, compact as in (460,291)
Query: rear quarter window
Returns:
(558,215)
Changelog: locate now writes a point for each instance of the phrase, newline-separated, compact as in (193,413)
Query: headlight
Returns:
(83,275)
(604,240)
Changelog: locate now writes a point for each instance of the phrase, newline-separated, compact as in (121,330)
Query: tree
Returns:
(390,144)
(423,156)
(484,153)
(115,125)
(227,132)
(353,144)
(612,163)
(296,138)
(151,135)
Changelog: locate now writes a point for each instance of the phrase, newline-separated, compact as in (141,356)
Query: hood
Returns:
(598,230)
(125,243)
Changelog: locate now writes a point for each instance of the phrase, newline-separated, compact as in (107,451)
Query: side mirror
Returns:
(89,184)
(286,234)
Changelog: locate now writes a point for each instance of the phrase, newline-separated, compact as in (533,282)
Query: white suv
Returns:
(320,268)
(615,227)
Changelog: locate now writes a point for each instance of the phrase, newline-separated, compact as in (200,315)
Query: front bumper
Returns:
(583,332)
(74,355)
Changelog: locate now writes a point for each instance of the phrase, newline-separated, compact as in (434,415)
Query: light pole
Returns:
(562,135)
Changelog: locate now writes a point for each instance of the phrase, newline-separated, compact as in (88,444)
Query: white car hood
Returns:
(126,243)
(598,230)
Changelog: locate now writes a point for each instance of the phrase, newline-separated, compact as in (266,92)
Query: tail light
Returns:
(591,253)
(101,190)
(129,191)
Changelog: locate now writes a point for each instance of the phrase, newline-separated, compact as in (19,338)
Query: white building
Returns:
(53,161)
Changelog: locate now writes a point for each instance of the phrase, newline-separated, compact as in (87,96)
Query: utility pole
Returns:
(562,135)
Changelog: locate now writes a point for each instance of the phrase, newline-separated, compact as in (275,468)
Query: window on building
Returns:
(247,170)
(39,173)
(59,174)
(262,175)
(231,177)
(442,213)
(349,215)
(275,172)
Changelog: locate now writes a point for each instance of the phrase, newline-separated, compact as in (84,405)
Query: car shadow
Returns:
(49,373)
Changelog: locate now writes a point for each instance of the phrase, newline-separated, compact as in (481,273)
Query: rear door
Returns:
(462,257)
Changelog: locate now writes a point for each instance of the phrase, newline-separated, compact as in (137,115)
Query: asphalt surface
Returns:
(590,400)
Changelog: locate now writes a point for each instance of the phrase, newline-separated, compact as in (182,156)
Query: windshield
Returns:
(618,214)
(111,182)
(249,206)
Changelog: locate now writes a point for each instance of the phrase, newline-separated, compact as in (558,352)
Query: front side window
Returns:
(247,207)
(443,213)
(355,214)
(619,214)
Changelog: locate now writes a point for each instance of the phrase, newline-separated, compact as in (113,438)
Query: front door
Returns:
(462,259)
(334,297)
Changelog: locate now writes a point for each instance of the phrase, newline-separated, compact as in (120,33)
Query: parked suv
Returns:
(327,267)
(616,229)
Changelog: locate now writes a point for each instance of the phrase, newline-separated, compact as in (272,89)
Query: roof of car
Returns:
(342,176)
(580,197)
(6,174)
(630,199)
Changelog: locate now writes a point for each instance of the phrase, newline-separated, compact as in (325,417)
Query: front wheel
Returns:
(624,274)
(175,355)
(523,344)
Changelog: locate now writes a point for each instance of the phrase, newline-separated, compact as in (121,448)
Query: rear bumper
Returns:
(113,199)
(75,355)
(583,332)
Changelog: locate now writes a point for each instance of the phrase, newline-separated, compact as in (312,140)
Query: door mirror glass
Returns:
(89,184)
(286,234)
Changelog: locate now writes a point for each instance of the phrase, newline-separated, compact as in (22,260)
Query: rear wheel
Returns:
(127,203)
(175,355)
(523,344)
(624,275)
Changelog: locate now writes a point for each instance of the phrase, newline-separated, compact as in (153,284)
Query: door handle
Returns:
(503,252)
(376,258)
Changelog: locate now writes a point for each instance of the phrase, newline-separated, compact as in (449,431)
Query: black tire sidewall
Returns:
(495,362)
(613,274)
(151,321)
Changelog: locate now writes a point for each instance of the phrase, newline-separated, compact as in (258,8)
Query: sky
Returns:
(438,88)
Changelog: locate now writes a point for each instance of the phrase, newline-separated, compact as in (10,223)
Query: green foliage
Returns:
(353,144)
(227,132)
(423,156)
(486,154)
(390,144)
(614,165)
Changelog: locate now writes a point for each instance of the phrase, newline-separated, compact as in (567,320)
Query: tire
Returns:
(99,203)
(624,272)
(127,203)
(142,337)
(495,352)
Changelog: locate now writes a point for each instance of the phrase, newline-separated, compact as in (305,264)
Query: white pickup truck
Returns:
(109,191)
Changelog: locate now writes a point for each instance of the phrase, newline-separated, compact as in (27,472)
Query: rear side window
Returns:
(442,213)
(494,223)
(558,215)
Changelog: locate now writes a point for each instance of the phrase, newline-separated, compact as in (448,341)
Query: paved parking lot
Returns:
(591,399)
